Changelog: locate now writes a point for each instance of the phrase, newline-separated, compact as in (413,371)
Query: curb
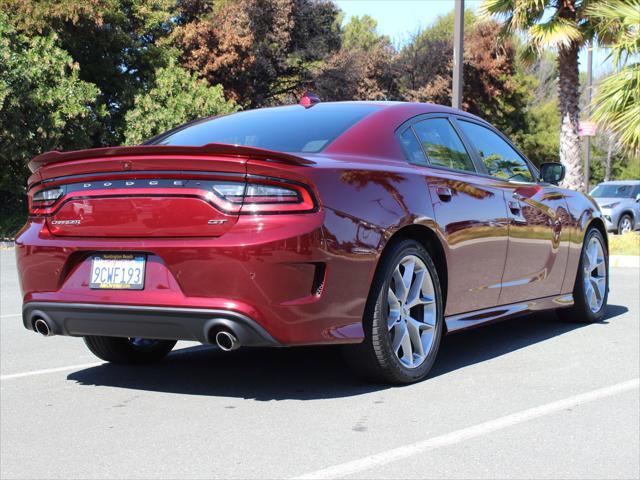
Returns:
(624,261)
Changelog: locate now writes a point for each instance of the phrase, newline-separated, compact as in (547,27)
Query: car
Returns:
(377,226)
(619,202)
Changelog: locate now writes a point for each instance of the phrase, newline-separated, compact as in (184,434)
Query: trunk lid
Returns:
(146,191)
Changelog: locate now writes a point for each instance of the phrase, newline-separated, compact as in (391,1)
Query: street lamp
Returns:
(458,50)
(587,146)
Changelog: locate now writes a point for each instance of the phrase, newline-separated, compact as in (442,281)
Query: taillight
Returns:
(257,195)
(45,198)
(264,197)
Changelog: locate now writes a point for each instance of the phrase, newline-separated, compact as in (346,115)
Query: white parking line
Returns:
(11,315)
(181,350)
(49,370)
(390,456)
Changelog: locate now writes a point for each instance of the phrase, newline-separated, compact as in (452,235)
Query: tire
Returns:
(583,309)
(129,351)
(625,224)
(419,326)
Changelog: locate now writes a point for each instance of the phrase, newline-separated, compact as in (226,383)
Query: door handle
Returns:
(444,193)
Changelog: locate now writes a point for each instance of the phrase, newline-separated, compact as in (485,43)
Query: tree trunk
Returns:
(607,168)
(569,96)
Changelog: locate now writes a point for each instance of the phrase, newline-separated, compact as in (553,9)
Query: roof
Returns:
(374,135)
(406,106)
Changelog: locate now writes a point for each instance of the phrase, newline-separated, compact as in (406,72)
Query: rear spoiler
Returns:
(209,149)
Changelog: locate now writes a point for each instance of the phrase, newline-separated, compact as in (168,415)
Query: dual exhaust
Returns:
(41,326)
(225,339)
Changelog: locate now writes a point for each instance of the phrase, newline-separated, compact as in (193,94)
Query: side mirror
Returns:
(638,198)
(552,172)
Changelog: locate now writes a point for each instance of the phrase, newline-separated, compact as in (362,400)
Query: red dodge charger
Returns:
(378,225)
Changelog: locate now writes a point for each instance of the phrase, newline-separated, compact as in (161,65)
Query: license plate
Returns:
(117,271)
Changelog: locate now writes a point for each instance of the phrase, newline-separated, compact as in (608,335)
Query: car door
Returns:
(469,210)
(538,218)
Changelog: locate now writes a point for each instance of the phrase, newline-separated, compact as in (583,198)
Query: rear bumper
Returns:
(77,319)
(274,270)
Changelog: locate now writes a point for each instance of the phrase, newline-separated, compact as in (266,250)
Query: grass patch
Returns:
(627,244)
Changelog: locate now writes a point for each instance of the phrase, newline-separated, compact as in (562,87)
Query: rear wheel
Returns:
(592,281)
(625,225)
(129,350)
(403,320)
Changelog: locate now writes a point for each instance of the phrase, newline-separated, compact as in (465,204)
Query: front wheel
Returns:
(625,225)
(591,290)
(403,318)
(129,350)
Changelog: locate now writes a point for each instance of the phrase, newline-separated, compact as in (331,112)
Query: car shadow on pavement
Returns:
(312,373)
(303,373)
(489,341)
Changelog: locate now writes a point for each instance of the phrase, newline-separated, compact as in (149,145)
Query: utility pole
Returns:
(458,50)
(587,142)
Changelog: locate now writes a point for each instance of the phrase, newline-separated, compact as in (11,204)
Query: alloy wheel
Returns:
(595,274)
(625,225)
(412,311)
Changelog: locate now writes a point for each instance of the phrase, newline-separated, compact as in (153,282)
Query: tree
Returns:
(442,28)
(493,86)
(44,105)
(563,25)
(424,64)
(259,50)
(617,101)
(356,74)
(176,97)
(361,33)
(424,69)
(544,69)
(610,160)
(115,43)
(363,67)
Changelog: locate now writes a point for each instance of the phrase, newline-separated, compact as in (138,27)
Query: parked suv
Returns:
(620,204)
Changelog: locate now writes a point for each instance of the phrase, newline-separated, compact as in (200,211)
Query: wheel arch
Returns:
(430,241)
(627,212)
(598,223)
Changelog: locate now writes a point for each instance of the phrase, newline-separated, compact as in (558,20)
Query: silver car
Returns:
(620,204)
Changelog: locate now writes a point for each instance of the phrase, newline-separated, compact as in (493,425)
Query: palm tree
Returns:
(564,26)
(617,101)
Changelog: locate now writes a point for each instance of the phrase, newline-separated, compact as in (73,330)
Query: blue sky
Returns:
(399,18)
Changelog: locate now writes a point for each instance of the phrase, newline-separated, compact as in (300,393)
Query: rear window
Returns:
(285,129)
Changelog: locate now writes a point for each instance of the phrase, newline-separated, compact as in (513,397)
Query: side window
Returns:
(442,145)
(412,147)
(498,156)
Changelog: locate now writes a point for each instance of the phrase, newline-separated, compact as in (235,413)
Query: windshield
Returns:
(613,191)
(285,129)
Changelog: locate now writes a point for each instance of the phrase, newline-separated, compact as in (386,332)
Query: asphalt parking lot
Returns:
(528,398)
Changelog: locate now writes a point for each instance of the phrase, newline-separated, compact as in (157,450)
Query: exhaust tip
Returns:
(42,327)
(227,341)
